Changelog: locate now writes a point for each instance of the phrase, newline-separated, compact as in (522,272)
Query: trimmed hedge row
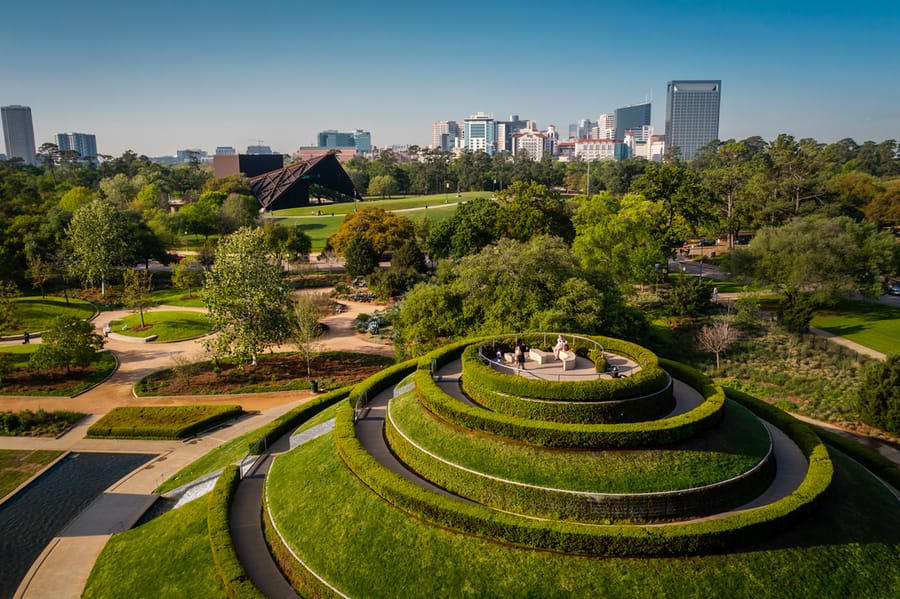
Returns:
(635,409)
(651,378)
(234,578)
(126,422)
(380,381)
(587,436)
(268,434)
(582,506)
(714,534)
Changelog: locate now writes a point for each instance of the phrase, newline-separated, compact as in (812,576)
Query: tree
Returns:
(878,397)
(307,331)
(136,291)
(688,296)
(289,244)
(409,257)
(618,239)
(824,255)
(796,311)
(383,185)
(529,209)
(69,342)
(99,242)
(39,271)
(247,299)
(360,257)
(472,227)
(75,198)
(188,273)
(385,230)
(717,338)
(8,293)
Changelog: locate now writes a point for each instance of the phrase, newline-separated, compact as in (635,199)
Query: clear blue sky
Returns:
(160,76)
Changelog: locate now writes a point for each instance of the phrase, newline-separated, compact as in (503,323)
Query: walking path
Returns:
(63,567)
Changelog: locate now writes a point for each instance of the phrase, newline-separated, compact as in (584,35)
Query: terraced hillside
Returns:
(457,473)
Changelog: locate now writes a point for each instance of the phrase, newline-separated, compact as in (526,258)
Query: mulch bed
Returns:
(273,373)
(43,382)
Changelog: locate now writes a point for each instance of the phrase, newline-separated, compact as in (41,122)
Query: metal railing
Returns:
(572,340)
(360,408)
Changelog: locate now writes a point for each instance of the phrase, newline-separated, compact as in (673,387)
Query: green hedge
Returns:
(651,378)
(714,534)
(581,506)
(380,381)
(234,578)
(552,434)
(635,409)
(282,425)
(160,422)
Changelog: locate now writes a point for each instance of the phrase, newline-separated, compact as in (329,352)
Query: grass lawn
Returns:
(874,325)
(848,548)
(22,380)
(320,228)
(18,466)
(178,297)
(722,286)
(734,447)
(35,314)
(167,557)
(166,325)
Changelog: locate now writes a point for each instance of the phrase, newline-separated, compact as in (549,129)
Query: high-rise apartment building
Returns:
(692,115)
(444,135)
(18,133)
(225,151)
(480,133)
(83,143)
(634,117)
(606,127)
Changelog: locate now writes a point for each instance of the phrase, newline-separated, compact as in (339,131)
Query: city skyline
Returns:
(218,76)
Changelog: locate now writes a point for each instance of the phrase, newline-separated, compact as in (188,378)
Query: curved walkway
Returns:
(791,463)
(63,567)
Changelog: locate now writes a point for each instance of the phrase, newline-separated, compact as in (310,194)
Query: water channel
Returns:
(30,520)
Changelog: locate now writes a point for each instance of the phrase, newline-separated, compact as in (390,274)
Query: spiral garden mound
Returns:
(572,460)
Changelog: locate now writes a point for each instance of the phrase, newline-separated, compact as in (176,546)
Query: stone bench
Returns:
(541,357)
(568,359)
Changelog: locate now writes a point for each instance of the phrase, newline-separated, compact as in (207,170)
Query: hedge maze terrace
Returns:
(710,476)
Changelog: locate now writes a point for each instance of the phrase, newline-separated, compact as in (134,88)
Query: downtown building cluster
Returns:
(692,121)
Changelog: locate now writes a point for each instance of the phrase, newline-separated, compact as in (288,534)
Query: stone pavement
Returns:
(63,567)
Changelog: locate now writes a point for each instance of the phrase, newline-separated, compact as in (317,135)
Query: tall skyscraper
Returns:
(692,115)
(635,116)
(18,133)
(83,143)
(444,135)
(480,131)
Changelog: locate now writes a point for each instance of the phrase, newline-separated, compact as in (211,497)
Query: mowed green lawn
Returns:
(436,208)
(178,297)
(167,325)
(34,313)
(874,325)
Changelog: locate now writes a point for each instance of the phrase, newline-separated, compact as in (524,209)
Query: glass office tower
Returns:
(692,115)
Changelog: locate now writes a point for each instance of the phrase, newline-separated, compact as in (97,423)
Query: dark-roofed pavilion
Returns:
(288,187)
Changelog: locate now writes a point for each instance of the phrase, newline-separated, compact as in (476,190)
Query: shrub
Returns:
(600,363)
(878,397)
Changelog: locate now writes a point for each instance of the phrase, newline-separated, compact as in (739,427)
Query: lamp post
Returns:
(447,195)
(656,268)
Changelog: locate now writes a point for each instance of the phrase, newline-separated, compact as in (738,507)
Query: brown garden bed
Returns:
(279,372)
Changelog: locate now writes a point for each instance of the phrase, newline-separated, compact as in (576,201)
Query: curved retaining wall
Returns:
(522,498)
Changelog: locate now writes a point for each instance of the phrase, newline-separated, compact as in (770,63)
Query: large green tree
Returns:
(620,239)
(69,342)
(99,242)
(248,301)
(385,230)
(820,254)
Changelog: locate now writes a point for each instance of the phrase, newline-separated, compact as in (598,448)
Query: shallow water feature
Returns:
(38,512)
